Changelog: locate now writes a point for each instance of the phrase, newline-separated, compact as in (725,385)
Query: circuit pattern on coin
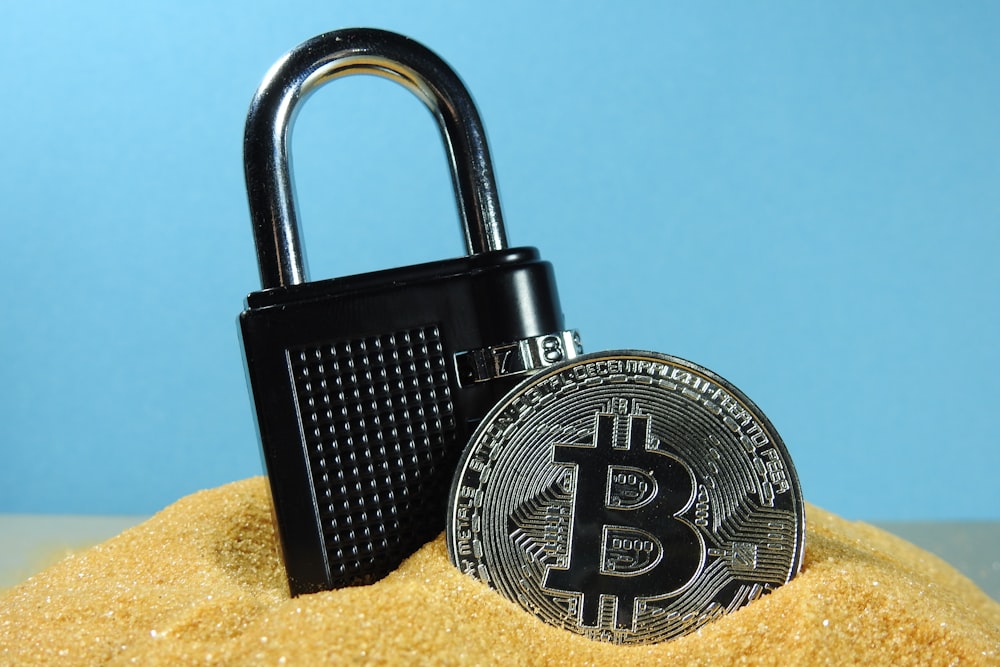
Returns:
(627,496)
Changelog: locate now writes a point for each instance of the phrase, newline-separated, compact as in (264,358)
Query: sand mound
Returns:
(201,583)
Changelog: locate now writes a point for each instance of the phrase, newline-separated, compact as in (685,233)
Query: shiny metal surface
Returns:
(520,357)
(340,53)
(627,496)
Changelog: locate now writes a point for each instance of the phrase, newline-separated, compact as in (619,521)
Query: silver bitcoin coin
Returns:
(627,496)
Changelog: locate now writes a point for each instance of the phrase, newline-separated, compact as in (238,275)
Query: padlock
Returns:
(367,387)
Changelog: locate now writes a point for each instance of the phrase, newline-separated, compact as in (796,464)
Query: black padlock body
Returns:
(360,406)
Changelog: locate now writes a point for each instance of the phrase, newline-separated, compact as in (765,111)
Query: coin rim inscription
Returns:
(674,369)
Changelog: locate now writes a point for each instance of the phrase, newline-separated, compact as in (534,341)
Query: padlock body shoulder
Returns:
(498,296)
(378,280)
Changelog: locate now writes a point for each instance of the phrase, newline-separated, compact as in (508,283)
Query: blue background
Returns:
(802,196)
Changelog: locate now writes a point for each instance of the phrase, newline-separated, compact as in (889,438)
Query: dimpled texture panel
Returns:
(377,417)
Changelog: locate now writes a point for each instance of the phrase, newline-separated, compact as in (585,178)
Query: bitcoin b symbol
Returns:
(613,552)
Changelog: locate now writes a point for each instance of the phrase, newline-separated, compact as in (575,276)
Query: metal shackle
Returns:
(302,70)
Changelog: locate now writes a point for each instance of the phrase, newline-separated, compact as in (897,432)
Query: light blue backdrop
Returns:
(801,196)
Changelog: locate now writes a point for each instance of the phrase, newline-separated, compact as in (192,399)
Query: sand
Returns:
(201,583)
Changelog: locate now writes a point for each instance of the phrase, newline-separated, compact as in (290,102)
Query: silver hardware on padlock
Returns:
(292,79)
